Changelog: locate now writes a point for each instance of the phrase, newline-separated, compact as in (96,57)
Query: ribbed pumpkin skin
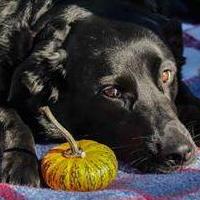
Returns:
(95,171)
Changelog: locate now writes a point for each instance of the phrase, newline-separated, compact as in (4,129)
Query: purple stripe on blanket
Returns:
(190,41)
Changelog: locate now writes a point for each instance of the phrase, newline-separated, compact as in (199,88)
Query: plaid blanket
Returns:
(131,185)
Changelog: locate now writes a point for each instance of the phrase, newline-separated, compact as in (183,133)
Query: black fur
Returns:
(69,55)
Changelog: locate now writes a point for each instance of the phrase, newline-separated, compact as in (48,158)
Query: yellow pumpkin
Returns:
(85,165)
(95,170)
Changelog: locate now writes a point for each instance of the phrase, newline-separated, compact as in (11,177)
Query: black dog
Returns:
(109,71)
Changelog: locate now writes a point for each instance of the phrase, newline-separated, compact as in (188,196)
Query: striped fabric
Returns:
(131,185)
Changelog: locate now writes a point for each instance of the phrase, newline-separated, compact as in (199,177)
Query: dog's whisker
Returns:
(196,136)
(194,126)
(121,147)
(136,160)
(138,138)
(197,129)
(191,123)
(141,161)
(137,151)
(196,141)
(191,130)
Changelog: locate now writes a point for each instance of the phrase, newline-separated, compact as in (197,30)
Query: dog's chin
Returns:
(165,169)
(154,167)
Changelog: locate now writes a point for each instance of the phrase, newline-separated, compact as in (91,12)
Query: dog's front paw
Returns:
(20,169)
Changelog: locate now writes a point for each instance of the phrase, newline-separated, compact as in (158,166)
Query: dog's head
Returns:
(121,87)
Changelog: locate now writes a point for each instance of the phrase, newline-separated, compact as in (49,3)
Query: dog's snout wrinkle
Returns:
(180,131)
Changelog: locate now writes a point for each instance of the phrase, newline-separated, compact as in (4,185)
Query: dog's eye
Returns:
(112,92)
(166,76)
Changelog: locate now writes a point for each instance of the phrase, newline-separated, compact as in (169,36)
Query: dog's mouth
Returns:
(146,161)
(151,164)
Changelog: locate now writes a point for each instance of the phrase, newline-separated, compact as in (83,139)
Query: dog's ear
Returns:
(42,75)
(172,32)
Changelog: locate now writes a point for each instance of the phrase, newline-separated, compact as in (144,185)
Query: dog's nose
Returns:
(180,154)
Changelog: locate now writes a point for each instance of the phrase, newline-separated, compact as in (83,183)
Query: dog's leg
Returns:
(19,162)
(18,159)
(39,76)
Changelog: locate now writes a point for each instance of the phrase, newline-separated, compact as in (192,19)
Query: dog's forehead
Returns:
(132,62)
(134,55)
(98,32)
(113,47)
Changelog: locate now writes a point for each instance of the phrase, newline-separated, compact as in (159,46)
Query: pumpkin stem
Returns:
(75,151)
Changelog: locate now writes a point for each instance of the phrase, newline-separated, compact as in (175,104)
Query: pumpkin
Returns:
(84,165)
(95,170)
